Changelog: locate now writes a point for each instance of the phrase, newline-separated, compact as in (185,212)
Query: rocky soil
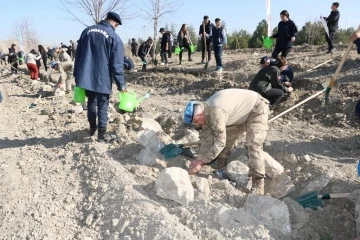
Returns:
(59,183)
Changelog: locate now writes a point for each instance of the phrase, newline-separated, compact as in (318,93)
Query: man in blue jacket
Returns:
(205,38)
(218,36)
(100,60)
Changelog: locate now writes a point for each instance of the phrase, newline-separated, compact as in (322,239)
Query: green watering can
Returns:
(192,48)
(268,42)
(128,101)
(79,95)
(177,50)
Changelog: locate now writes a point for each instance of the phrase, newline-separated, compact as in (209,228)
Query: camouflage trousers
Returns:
(255,128)
(68,68)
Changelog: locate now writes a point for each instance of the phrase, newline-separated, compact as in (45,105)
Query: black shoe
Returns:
(330,51)
(102,136)
(190,60)
(92,131)
(202,62)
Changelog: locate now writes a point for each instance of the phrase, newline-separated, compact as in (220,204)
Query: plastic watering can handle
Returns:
(147,95)
(129,92)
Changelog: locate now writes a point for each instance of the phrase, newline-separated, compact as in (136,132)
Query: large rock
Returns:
(280,186)
(318,183)
(298,216)
(242,224)
(174,184)
(272,167)
(191,136)
(202,185)
(149,139)
(238,172)
(273,213)
(146,124)
(147,157)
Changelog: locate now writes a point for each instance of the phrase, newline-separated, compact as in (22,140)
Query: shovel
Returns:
(313,199)
(206,54)
(172,150)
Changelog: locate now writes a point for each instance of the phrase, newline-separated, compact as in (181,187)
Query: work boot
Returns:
(92,131)
(257,185)
(102,136)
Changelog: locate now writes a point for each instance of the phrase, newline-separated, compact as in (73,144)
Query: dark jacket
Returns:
(286,30)
(181,38)
(333,21)
(12,50)
(99,59)
(287,75)
(208,29)
(128,63)
(266,79)
(143,50)
(165,39)
(218,35)
(134,45)
(357,42)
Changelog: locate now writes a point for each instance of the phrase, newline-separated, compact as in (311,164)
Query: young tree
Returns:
(156,10)
(25,34)
(94,10)
(312,33)
(343,35)
(238,39)
(193,35)
(257,38)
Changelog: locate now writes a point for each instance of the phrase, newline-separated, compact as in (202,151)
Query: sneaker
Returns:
(202,62)
(166,64)
(219,69)
(162,64)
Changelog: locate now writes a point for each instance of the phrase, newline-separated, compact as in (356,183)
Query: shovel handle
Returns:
(334,195)
(191,144)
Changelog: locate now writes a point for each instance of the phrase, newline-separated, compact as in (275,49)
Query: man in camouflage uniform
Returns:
(66,77)
(226,117)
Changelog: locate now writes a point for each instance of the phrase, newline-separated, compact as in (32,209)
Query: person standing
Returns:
(205,40)
(100,46)
(165,42)
(218,36)
(144,49)
(333,25)
(287,32)
(73,49)
(134,47)
(13,59)
(171,44)
(30,60)
(44,57)
(184,42)
(225,117)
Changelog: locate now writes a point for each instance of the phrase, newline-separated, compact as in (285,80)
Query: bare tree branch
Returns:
(25,34)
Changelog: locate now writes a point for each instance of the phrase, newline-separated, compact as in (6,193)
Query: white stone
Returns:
(306,158)
(272,167)
(238,172)
(147,157)
(318,183)
(147,124)
(192,136)
(77,109)
(174,184)
(202,185)
(298,216)
(281,185)
(273,213)
(291,159)
(149,139)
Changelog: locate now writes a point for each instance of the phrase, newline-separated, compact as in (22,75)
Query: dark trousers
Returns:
(218,55)
(274,95)
(14,67)
(187,47)
(330,40)
(144,64)
(45,63)
(208,49)
(134,52)
(283,49)
(164,57)
(99,102)
(170,50)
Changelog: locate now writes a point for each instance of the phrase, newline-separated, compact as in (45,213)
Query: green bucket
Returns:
(192,48)
(268,42)
(177,50)
(79,95)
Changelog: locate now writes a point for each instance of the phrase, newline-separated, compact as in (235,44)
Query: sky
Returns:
(51,24)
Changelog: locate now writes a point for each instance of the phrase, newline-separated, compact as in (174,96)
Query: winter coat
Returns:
(63,56)
(128,63)
(99,59)
(165,39)
(266,79)
(286,30)
(357,42)
(287,75)
(333,21)
(208,29)
(143,50)
(134,45)
(218,35)
(183,37)
(32,58)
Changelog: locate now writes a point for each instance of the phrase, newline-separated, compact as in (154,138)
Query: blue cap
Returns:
(189,112)
(53,64)
(115,17)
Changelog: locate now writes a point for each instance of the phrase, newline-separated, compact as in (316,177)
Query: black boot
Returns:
(92,131)
(102,136)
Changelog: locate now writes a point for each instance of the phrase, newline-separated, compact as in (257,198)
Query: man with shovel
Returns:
(226,117)
(205,33)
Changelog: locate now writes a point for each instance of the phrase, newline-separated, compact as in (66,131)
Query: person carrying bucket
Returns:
(165,42)
(97,42)
(144,50)
(184,41)
(287,31)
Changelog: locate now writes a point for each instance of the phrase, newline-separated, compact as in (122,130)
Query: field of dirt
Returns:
(59,183)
